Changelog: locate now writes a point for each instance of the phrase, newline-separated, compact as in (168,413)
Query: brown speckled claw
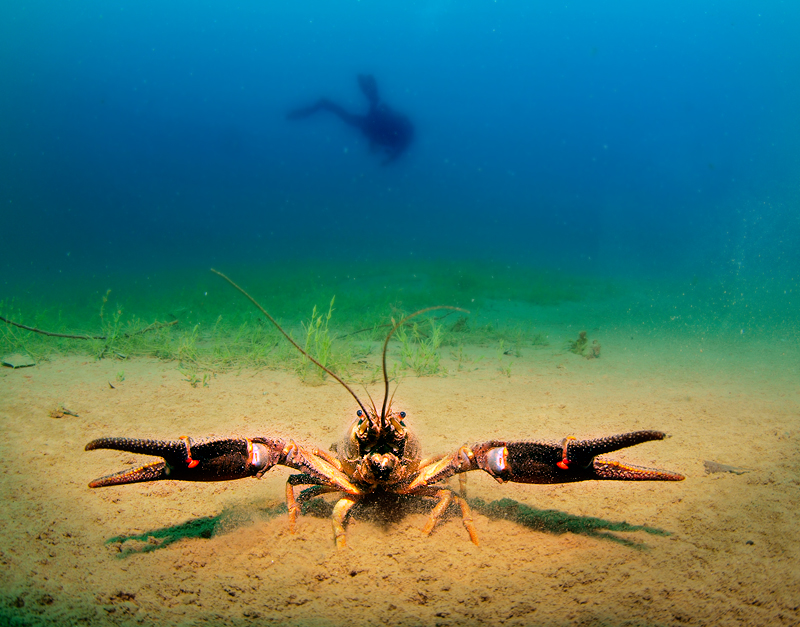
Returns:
(571,460)
(188,460)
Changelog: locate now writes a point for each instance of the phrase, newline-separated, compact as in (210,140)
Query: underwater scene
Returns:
(400,313)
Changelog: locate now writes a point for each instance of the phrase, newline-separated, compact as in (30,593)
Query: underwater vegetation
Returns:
(582,347)
(204,332)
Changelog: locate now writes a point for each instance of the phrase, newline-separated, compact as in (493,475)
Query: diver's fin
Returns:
(369,87)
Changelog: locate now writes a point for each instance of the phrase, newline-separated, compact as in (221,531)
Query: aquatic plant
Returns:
(420,352)
(319,344)
(193,378)
(463,359)
(504,365)
(582,347)
(578,346)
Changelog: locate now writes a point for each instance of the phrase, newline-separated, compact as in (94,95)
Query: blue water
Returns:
(616,139)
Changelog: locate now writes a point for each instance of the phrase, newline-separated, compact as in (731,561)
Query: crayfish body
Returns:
(378,454)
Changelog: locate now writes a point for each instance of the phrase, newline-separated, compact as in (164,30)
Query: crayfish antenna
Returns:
(386,344)
(374,414)
(386,399)
(291,341)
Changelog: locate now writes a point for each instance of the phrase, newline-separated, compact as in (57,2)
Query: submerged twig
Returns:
(152,327)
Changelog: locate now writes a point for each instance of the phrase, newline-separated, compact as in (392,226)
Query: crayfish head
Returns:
(369,433)
(380,450)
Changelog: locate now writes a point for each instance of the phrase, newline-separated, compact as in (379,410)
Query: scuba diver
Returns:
(385,129)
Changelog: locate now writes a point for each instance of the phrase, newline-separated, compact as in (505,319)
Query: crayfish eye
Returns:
(402,414)
(359,413)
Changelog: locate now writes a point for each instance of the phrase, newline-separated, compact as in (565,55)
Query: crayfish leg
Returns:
(340,511)
(292,505)
(466,518)
(446,497)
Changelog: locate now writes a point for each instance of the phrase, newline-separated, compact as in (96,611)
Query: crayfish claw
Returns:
(627,472)
(568,461)
(149,472)
(161,448)
(184,459)
(582,452)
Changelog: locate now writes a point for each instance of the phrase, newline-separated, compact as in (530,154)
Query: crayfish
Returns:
(379,454)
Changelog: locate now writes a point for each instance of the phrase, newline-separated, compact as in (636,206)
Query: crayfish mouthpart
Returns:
(382,466)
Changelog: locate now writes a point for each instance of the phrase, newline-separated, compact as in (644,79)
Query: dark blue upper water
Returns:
(622,138)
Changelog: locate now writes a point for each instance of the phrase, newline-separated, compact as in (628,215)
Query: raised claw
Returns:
(571,460)
(189,460)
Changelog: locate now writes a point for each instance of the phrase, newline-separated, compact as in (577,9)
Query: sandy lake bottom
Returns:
(720,548)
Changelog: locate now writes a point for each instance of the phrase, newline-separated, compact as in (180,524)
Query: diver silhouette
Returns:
(385,129)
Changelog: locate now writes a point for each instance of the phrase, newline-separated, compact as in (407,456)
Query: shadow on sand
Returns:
(544,520)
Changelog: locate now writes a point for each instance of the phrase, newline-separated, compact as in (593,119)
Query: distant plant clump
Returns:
(582,347)
(319,344)
(420,351)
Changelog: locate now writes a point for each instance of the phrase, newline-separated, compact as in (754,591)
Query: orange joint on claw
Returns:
(189,461)
(564,463)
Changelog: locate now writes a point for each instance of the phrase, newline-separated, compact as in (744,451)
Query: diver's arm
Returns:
(323,104)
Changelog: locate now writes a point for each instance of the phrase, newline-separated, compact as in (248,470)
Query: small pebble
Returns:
(750,542)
